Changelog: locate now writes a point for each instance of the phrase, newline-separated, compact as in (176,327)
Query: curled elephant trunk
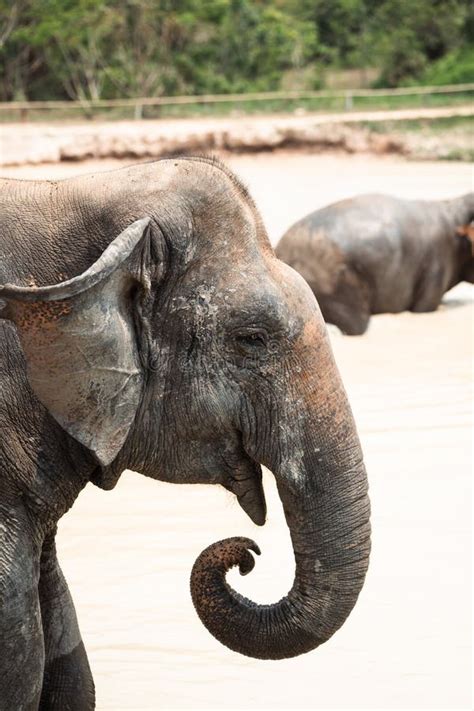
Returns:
(331,564)
(322,483)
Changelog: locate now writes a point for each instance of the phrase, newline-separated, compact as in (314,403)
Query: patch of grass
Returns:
(449,138)
(248,108)
(459,154)
(435,125)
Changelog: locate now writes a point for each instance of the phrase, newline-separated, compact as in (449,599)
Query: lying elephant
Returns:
(374,254)
(159,333)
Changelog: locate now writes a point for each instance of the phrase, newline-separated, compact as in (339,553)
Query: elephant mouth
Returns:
(244,479)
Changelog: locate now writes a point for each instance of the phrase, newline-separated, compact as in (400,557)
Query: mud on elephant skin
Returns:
(374,254)
(147,324)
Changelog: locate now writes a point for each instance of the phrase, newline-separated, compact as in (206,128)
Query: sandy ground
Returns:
(41,142)
(128,553)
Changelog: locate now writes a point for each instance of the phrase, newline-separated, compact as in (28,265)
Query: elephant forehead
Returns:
(248,287)
(213,312)
(257,290)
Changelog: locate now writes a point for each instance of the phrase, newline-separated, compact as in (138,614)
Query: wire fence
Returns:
(268,101)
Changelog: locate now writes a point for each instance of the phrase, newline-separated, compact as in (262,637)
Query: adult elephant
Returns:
(148,325)
(373,254)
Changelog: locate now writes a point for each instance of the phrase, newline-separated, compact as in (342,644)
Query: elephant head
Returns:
(189,352)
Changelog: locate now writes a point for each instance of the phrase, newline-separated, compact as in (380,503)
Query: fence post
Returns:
(138,113)
(348,101)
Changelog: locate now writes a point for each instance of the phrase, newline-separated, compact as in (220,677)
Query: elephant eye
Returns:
(251,341)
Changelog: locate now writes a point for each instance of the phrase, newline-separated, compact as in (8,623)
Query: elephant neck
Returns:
(57,485)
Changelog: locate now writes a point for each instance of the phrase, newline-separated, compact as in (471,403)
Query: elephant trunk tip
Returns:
(217,559)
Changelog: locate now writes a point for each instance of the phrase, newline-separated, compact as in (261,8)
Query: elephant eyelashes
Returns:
(251,342)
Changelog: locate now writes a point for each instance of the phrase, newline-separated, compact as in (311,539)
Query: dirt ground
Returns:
(128,553)
(55,141)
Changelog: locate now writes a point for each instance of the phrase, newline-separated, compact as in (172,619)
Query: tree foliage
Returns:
(90,49)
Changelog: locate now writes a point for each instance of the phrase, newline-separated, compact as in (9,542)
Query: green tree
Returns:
(90,49)
(407,36)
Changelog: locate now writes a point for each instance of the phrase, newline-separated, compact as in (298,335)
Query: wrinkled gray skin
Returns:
(374,254)
(148,325)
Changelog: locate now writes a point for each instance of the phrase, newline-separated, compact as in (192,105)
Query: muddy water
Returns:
(127,553)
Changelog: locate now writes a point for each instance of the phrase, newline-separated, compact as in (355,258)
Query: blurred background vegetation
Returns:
(103,49)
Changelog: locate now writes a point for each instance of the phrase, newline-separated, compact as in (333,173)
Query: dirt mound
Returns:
(51,143)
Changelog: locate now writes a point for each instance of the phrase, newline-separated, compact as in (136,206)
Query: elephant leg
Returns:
(348,307)
(352,319)
(426,304)
(21,635)
(428,291)
(67,682)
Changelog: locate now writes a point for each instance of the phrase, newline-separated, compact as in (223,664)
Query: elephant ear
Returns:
(80,344)
(467,231)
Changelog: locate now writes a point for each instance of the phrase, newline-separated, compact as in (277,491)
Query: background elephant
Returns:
(374,254)
(148,325)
